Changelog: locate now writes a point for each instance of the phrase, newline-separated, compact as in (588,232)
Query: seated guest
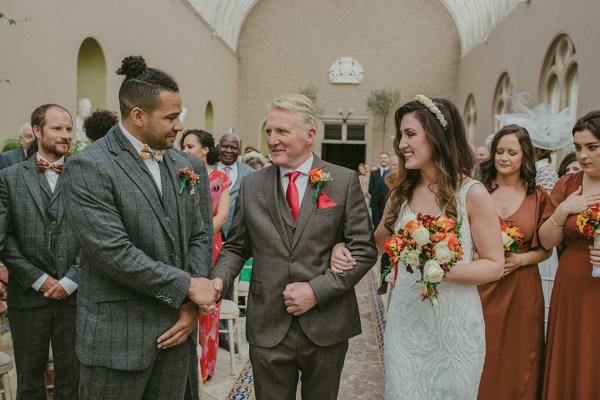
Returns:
(18,154)
(569,165)
(99,123)
(255,160)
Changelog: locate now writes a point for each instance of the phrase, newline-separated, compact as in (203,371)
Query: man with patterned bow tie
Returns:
(42,256)
(146,248)
(288,217)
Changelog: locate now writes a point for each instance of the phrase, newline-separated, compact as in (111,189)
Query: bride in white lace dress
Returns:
(437,353)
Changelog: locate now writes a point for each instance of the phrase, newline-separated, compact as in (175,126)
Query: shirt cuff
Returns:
(38,284)
(69,286)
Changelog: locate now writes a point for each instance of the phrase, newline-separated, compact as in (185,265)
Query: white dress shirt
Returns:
(301,180)
(150,162)
(233,172)
(52,177)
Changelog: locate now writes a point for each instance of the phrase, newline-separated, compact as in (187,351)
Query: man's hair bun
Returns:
(132,66)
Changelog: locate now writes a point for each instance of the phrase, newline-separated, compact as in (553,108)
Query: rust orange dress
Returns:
(513,311)
(572,369)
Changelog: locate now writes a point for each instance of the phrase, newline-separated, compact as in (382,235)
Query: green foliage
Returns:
(9,20)
(11,143)
(381,103)
(312,92)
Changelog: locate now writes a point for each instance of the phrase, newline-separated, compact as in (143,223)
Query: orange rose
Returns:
(412,225)
(316,175)
(446,223)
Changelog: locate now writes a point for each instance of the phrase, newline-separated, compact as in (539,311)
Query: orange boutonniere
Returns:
(188,178)
(318,177)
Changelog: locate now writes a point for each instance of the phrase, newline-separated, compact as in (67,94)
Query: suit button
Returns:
(172,256)
(292,260)
(168,219)
(53,222)
(177,258)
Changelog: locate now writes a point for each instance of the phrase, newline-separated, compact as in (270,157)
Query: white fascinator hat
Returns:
(547,131)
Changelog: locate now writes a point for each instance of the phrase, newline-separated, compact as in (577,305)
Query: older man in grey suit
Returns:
(41,254)
(144,220)
(300,313)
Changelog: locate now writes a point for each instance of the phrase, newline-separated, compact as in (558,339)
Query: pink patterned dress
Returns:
(209,324)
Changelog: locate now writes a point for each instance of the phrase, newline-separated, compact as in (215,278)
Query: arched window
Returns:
(559,81)
(91,73)
(209,118)
(470,117)
(501,104)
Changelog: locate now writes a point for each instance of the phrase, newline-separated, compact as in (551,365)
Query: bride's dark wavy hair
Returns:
(527,174)
(451,156)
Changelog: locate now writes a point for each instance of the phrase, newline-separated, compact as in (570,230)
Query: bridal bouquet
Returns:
(512,237)
(588,223)
(429,244)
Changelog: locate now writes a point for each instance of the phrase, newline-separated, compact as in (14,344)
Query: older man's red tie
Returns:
(291,194)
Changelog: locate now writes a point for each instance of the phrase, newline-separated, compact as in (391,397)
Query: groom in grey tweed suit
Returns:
(146,240)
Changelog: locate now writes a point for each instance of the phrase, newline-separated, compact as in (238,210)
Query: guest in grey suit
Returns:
(229,149)
(146,234)
(42,257)
(18,154)
(300,313)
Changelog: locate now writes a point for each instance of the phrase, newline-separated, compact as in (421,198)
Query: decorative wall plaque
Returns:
(346,70)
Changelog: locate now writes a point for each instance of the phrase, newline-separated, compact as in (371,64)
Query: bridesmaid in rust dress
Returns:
(572,368)
(513,307)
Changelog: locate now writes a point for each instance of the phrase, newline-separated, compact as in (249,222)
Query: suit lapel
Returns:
(36,183)
(173,169)
(135,168)
(307,207)
(270,189)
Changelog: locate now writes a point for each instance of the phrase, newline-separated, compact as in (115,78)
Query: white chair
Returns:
(550,283)
(49,368)
(230,312)
(6,365)
(243,289)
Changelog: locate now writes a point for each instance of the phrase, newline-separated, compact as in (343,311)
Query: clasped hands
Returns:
(299,297)
(52,289)
(204,295)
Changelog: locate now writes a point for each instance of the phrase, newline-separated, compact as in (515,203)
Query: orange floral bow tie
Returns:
(44,165)
(148,152)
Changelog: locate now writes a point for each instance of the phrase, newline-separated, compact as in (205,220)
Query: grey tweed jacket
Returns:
(39,239)
(286,252)
(137,257)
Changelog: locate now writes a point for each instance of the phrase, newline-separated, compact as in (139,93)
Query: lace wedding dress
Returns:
(435,354)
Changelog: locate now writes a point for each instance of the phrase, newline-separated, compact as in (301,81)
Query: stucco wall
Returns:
(519,45)
(411,46)
(40,56)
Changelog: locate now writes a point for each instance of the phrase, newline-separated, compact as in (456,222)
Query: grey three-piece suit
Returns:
(284,252)
(139,250)
(39,240)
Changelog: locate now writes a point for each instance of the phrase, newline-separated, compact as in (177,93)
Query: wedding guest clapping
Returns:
(572,363)
(513,307)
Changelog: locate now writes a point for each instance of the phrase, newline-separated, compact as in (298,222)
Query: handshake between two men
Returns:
(204,292)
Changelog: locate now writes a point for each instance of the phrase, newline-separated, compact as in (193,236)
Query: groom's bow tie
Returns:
(44,165)
(148,152)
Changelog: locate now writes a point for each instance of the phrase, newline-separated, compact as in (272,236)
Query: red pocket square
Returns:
(323,201)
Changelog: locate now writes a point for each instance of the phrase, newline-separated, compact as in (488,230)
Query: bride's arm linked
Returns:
(487,241)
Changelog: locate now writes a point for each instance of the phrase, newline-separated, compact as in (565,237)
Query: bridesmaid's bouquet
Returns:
(512,237)
(588,223)
(429,244)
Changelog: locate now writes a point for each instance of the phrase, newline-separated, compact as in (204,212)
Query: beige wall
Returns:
(411,46)
(40,56)
(519,46)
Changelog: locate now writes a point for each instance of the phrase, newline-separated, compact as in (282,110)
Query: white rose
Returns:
(410,257)
(443,254)
(507,241)
(421,236)
(407,218)
(432,272)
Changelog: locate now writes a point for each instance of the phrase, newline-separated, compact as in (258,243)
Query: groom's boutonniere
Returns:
(318,177)
(188,178)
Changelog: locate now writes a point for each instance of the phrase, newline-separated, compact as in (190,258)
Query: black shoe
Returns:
(382,289)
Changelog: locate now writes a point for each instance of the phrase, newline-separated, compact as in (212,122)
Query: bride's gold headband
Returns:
(427,102)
